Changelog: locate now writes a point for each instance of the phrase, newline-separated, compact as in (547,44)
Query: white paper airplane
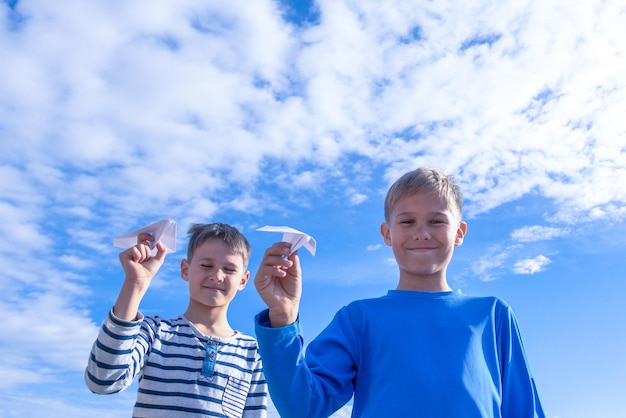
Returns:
(296,238)
(163,230)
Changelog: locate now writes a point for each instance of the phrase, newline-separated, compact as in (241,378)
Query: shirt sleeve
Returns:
(519,393)
(117,355)
(314,387)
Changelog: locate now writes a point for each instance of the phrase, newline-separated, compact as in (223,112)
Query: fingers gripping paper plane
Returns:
(163,230)
(296,238)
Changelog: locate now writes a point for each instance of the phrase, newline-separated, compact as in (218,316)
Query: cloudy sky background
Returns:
(116,114)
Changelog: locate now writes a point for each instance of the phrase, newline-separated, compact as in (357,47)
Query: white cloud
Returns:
(492,260)
(531,265)
(357,198)
(75,262)
(21,227)
(50,321)
(537,233)
(525,105)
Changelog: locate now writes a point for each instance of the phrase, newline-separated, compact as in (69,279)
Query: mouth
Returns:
(421,249)
(212,288)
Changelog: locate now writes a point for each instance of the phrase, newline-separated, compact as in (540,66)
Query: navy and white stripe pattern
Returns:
(181,372)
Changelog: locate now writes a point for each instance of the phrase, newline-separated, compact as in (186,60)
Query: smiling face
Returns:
(215,274)
(422,231)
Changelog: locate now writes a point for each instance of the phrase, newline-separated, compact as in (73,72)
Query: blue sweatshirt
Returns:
(406,354)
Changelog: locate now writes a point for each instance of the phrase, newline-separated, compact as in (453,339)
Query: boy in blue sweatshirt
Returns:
(422,350)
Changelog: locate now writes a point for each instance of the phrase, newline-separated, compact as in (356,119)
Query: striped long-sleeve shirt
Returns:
(181,372)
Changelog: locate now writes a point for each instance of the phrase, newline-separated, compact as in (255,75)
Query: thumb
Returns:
(161,252)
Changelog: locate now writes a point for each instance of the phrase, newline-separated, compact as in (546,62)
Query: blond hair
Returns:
(425,180)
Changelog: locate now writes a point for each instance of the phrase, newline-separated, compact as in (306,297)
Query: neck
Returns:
(209,321)
(424,284)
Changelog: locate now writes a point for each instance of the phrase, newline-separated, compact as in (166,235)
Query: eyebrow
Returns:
(437,213)
(226,263)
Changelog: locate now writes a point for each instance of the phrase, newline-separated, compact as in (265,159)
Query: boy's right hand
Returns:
(140,267)
(138,263)
(279,283)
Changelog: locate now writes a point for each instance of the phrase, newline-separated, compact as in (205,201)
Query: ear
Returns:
(184,269)
(460,233)
(386,233)
(244,280)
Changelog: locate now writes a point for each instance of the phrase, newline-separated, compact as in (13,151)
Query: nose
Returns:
(421,232)
(217,275)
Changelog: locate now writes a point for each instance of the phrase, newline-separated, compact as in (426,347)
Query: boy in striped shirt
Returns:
(195,365)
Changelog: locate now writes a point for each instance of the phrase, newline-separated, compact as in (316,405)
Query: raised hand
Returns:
(138,262)
(279,283)
(140,267)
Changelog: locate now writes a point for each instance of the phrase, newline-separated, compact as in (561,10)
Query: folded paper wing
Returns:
(163,230)
(296,238)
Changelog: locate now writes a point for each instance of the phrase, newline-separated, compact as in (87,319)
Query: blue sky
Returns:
(116,114)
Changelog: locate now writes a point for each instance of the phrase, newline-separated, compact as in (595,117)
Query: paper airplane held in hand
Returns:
(163,230)
(296,238)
